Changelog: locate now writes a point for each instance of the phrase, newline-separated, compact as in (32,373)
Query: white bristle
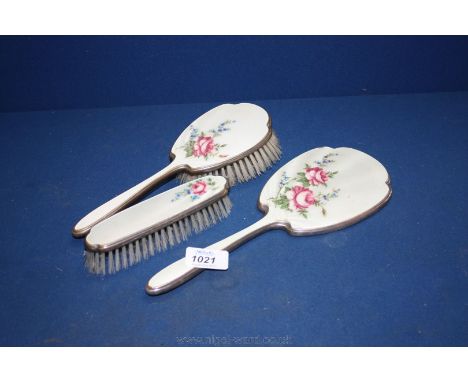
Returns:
(124,257)
(175,230)
(237,172)
(137,251)
(89,260)
(157,242)
(254,164)
(194,223)
(183,233)
(133,253)
(102,263)
(211,214)
(206,218)
(187,227)
(144,247)
(117,260)
(110,262)
(164,239)
(260,161)
(95,262)
(231,176)
(170,235)
(216,211)
(246,168)
(249,167)
(150,244)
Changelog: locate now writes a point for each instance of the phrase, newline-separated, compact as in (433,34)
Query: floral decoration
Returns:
(307,188)
(203,144)
(195,189)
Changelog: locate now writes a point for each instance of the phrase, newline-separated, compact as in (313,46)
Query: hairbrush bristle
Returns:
(248,167)
(158,241)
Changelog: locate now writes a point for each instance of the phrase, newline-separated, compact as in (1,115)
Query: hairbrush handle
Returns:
(179,272)
(123,200)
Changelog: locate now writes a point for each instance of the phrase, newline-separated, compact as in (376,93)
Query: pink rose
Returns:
(316,176)
(300,197)
(199,188)
(203,146)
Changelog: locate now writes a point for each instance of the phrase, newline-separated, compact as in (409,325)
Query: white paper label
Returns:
(207,258)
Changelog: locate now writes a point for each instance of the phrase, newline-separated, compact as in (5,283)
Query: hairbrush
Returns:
(153,225)
(232,140)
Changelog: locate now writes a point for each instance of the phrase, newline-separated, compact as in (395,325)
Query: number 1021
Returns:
(203,259)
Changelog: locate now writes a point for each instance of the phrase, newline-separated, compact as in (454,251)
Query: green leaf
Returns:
(281,201)
(302,179)
(303,213)
(189,149)
(304,182)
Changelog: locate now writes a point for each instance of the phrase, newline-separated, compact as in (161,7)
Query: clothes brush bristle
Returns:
(132,253)
(248,167)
